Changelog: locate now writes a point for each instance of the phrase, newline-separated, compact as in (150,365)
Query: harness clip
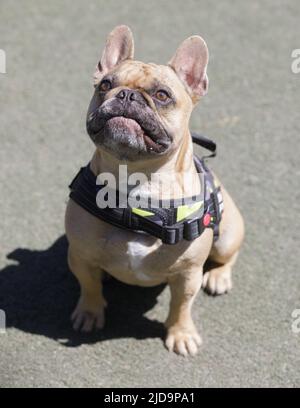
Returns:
(172,235)
(192,229)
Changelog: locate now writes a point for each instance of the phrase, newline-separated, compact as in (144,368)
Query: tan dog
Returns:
(166,95)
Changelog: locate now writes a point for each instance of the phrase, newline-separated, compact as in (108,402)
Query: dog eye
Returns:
(105,85)
(162,95)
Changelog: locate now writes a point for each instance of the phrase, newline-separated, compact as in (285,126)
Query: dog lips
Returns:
(119,123)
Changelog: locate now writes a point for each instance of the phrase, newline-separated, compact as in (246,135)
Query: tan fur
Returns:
(141,259)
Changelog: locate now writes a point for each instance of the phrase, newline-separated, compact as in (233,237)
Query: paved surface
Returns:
(252,110)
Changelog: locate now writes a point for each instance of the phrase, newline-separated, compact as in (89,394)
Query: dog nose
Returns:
(128,95)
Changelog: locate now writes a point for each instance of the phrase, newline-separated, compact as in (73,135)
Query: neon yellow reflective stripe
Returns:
(185,210)
(142,213)
(216,181)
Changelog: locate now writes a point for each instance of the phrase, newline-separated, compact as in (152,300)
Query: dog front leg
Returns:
(182,336)
(89,312)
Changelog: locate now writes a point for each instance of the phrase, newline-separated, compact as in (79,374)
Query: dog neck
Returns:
(173,176)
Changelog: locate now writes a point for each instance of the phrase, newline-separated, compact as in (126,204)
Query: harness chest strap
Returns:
(171,225)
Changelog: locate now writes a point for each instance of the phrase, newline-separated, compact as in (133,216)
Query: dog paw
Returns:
(183,341)
(217,281)
(86,321)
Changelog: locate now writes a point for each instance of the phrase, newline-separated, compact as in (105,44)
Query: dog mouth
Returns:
(131,128)
(129,132)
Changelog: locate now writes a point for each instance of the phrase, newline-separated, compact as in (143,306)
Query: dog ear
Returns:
(190,63)
(119,47)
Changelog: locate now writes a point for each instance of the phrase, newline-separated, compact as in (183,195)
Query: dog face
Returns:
(140,111)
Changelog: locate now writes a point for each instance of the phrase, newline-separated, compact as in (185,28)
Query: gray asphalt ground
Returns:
(251,110)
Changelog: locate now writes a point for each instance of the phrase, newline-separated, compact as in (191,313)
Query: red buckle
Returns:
(206,220)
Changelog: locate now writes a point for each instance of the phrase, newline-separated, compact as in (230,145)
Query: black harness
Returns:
(173,224)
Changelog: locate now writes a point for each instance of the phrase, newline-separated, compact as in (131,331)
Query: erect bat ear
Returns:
(119,47)
(190,63)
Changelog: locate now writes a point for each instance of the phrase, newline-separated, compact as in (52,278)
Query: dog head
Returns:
(141,110)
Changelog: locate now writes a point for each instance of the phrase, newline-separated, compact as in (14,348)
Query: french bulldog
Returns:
(139,116)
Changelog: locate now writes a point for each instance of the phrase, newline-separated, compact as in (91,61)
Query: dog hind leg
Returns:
(224,253)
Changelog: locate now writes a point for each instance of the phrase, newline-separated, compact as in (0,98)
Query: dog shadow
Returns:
(38,294)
